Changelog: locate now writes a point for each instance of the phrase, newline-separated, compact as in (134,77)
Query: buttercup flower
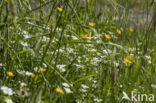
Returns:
(129,59)
(59,91)
(131,29)
(118,31)
(33,75)
(107,36)
(40,69)
(84,35)
(134,91)
(141,21)
(91,24)
(86,31)
(59,9)
(10,74)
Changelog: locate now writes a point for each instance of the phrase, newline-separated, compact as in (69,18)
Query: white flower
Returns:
(8,101)
(121,85)
(65,85)
(61,68)
(74,37)
(68,90)
(70,50)
(84,86)
(22,84)
(152,85)
(98,100)
(24,44)
(95,61)
(79,66)
(148,58)
(107,51)
(22,72)
(45,65)
(28,73)
(7,91)
(83,90)
(27,36)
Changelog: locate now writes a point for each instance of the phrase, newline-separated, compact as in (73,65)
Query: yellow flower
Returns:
(107,36)
(59,9)
(134,91)
(33,75)
(86,31)
(94,34)
(59,91)
(10,74)
(129,59)
(131,29)
(141,21)
(91,24)
(84,35)
(118,31)
(40,69)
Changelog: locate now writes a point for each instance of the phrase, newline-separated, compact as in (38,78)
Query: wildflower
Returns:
(6,0)
(118,31)
(61,67)
(68,90)
(33,75)
(91,24)
(131,29)
(65,85)
(59,90)
(107,36)
(84,86)
(24,44)
(86,31)
(129,59)
(59,9)
(141,21)
(94,34)
(10,74)
(23,92)
(7,90)
(84,36)
(134,91)
(98,100)
(40,69)
(8,101)
(22,84)
(152,85)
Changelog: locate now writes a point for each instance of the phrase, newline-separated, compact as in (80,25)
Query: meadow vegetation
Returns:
(76,51)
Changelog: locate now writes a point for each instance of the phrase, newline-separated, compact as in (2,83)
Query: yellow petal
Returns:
(131,29)
(10,74)
(59,90)
(118,31)
(84,36)
(107,36)
(59,9)
(91,24)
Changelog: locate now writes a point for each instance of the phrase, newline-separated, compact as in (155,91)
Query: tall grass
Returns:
(75,51)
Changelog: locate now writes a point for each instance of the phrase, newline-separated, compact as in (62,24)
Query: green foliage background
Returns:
(35,34)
